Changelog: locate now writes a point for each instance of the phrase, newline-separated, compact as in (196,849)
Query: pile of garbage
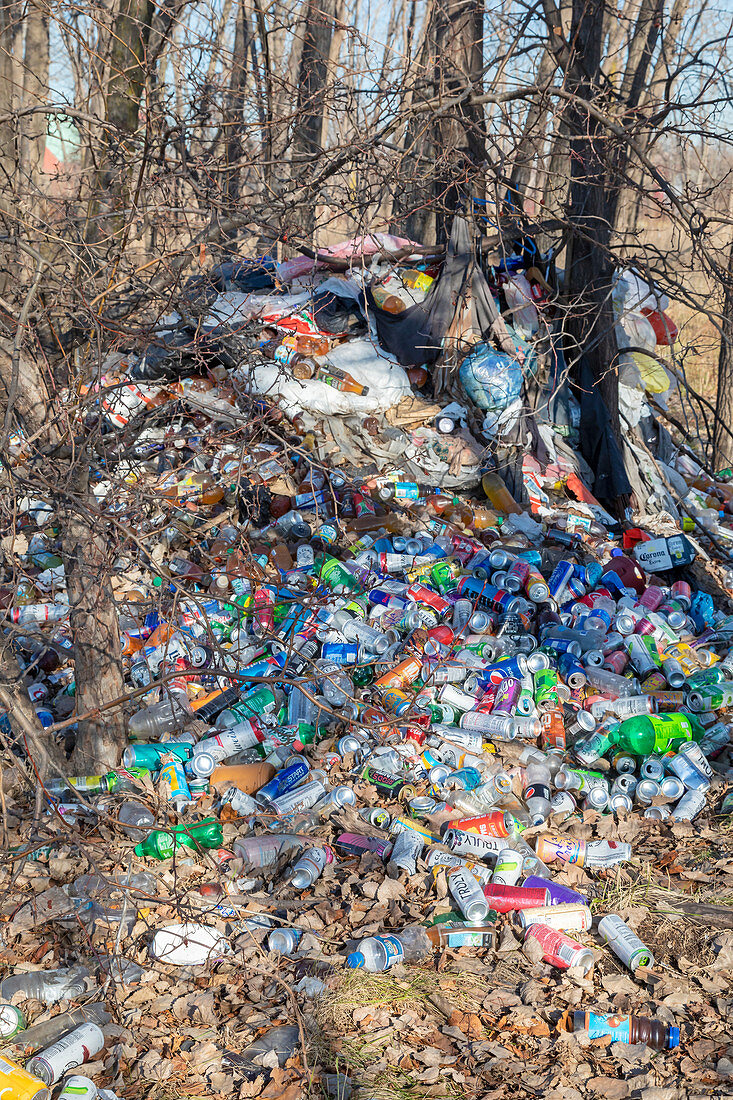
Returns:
(480,746)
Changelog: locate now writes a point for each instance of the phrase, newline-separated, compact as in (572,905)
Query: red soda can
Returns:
(653,597)
(506,899)
(617,661)
(681,591)
(420,593)
(644,627)
(558,949)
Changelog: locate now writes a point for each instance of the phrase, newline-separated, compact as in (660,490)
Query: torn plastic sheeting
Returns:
(234,308)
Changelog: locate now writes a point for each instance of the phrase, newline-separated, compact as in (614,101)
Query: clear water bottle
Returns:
(377,953)
(49,986)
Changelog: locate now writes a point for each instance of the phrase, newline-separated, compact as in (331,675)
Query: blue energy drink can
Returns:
(284,781)
(558,580)
(341,653)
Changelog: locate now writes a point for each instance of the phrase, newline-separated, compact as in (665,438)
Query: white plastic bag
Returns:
(368,364)
(188,944)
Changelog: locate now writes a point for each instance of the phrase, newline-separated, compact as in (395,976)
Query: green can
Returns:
(12,1021)
(442,576)
(545,688)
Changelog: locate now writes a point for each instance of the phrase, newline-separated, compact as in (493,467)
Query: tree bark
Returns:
(722,442)
(35,92)
(95,634)
(311,104)
(444,153)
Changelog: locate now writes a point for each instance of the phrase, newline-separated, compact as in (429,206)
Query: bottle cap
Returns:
(674,1038)
(356,960)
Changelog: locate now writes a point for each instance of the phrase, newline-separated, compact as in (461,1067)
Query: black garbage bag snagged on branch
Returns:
(415,337)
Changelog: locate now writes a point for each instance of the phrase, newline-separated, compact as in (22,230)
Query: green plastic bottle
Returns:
(162,844)
(645,734)
(653,733)
(331,572)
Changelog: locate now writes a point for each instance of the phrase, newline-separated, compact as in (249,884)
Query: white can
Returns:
(568,917)
(508,868)
(468,895)
(689,806)
(624,943)
(73,1050)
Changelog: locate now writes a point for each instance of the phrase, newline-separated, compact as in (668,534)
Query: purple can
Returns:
(507,696)
(559,894)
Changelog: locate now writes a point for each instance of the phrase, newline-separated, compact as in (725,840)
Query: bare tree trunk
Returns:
(722,442)
(445,151)
(312,87)
(235,115)
(35,93)
(95,634)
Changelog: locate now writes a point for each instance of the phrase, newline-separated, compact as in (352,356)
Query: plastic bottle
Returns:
(537,793)
(159,719)
(377,953)
(162,845)
(44,1034)
(48,986)
(500,497)
(627,1029)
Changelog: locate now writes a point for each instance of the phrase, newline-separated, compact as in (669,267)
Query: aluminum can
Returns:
(73,1050)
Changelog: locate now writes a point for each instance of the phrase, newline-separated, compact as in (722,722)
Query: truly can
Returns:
(11,1021)
(472,844)
(438,860)
(19,1083)
(558,949)
(567,916)
(74,1049)
(624,943)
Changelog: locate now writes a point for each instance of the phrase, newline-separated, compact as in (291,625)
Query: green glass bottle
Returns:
(163,843)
